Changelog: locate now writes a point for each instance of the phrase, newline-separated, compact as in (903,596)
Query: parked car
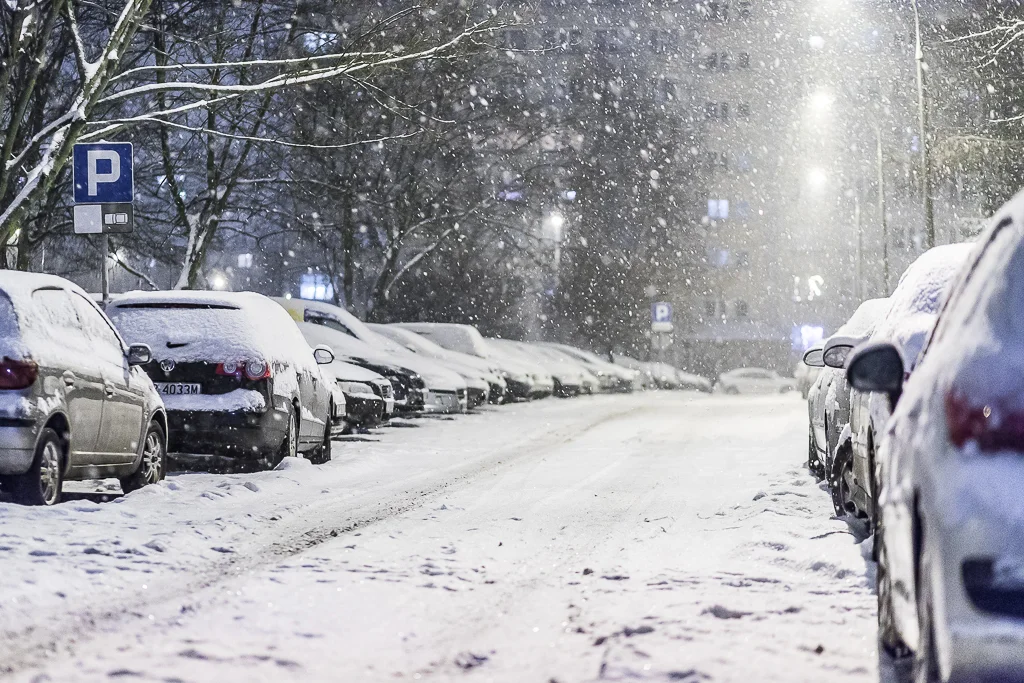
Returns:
(483,380)
(948,534)
(73,402)
(914,306)
(755,381)
(443,391)
(467,339)
(645,371)
(550,377)
(828,401)
(612,377)
(590,384)
(237,377)
(806,375)
(368,397)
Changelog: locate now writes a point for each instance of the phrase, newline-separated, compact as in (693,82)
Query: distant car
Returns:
(828,402)
(806,375)
(612,377)
(444,390)
(688,380)
(949,466)
(368,397)
(237,377)
(589,382)
(468,340)
(755,381)
(73,402)
(549,377)
(914,306)
(482,380)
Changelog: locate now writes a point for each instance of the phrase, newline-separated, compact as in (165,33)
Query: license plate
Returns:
(178,388)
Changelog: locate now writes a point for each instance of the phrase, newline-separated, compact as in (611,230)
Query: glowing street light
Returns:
(817,179)
(821,102)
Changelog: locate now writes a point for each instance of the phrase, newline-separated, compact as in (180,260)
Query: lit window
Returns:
(718,208)
(316,287)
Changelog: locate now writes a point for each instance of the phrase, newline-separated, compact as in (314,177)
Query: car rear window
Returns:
(190,331)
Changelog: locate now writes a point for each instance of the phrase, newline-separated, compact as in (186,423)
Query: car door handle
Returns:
(108,389)
(69,379)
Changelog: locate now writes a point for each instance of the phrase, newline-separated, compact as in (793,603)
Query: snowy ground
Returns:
(649,537)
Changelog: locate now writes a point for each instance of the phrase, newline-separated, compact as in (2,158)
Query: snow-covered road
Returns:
(655,537)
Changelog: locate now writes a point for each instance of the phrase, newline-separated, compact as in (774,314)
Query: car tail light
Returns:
(252,369)
(989,427)
(257,369)
(17,374)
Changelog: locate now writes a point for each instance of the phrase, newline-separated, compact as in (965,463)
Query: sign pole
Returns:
(104,272)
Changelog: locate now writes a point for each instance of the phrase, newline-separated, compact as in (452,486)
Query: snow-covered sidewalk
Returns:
(660,536)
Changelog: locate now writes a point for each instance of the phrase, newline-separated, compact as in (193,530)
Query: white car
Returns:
(444,392)
(949,535)
(755,381)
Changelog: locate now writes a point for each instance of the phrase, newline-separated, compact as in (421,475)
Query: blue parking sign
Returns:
(661,312)
(103,173)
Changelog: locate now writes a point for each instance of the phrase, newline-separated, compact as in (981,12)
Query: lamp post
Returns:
(922,119)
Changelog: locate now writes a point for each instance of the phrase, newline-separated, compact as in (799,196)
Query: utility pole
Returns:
(922,118)
(881,211)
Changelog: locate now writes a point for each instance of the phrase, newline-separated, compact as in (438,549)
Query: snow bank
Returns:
(243,400)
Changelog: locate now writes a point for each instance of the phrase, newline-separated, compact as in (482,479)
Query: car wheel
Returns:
(43,482)
(732,390)
(926,665)
(290,446)
(814,465)
(322,453)
(841,482)
(889,639)
(153,465)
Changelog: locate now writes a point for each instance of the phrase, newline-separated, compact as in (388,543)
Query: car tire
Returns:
(43,482)
(839,485)
(814,465)
(926,665)
(889,640)
(153,465)
(732,391)
(322,453)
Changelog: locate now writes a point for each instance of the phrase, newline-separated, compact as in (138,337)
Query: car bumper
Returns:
(364,410)
(235,434)
(17,444)
(444,402)
(978,575)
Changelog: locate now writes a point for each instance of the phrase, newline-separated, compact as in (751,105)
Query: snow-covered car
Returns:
(483,381)
(949,538)
(235,374)
(368,397)
(590,383)
(443,391)
(692,382)
(74,403)
(549,376)
(828,402)
(467,339)
(612,377)
(755,381)
(913,308)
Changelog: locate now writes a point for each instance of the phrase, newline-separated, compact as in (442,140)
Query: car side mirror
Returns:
(323,355)
(139,354)
(835,356)
(877,367)
(813,358)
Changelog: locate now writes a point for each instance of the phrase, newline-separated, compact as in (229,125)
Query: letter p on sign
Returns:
(103,173)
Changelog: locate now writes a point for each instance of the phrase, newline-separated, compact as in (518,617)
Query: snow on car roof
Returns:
(46,345)
(211,326)
(864,318)
(915,303)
